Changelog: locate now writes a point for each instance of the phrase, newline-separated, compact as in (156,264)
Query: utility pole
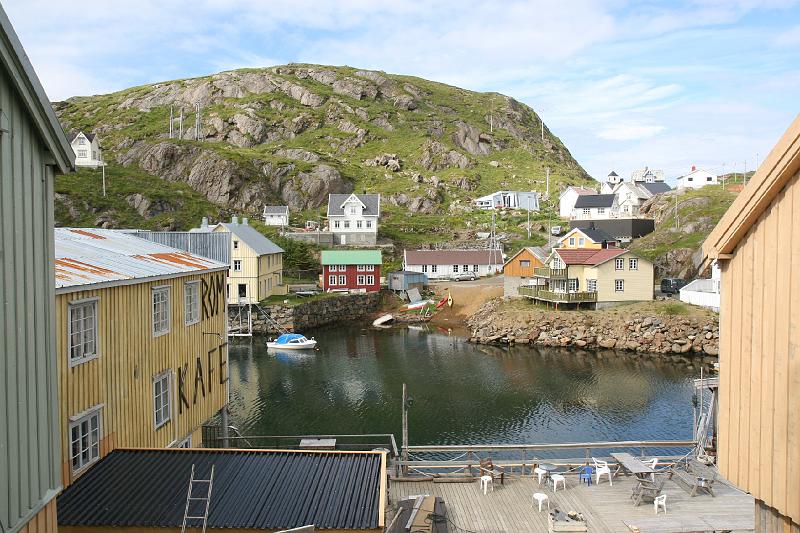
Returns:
(197,121)
(676,211)
(542,121)
(180,125)
(103,165)
(171,121)
(547,179)
(529,217)
(404,449)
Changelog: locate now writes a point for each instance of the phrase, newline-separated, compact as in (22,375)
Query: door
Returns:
(344,239)
(243,290)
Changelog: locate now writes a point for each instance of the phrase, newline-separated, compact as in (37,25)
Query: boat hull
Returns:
(308,345)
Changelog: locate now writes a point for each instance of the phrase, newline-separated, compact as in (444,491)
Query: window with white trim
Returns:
(370,268)
(572,241)
(633,263)
(573,284)
(619,285)
(359,223)
(474,268)
(81,140)
(586,211)
(84,437)
(591,285)
(424,268)
(160,311)
(369,224)
(336,224)
(352,210)
(342,280)
(464,268)
(346,224)
(82,331)
(361,268)
(361,279)
(162,398)
(557,263)
(332,280)
(237,265)
(581,241)
(83,153)
(525,263)
(619,264)
(455,269)
(601,210)
(433,268)
(191,302)
(370,280)
(235,245)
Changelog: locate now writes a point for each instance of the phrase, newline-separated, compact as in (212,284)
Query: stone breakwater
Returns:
(670,336)
(339,308)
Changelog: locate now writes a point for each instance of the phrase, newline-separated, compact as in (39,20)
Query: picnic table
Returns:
(633,464)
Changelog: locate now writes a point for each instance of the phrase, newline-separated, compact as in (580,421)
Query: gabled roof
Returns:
(253,490)
(656,187)
(72,136)
(252,238)
(579,190)
(535,251)
(453,257)
(26,82)
(86,258)
(614,174)
(351,257)
(276,209)
(585,256)
(371,202)
(595,200)
(594,234)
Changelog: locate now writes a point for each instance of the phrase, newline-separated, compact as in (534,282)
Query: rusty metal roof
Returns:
(85,258)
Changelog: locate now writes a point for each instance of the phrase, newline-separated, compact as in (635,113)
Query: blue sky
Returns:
(711,83)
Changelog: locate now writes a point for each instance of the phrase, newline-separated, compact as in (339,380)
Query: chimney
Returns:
(694,168)
(234,219)
(204,222)
(244,221)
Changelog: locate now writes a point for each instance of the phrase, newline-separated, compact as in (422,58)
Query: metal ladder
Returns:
(190,497)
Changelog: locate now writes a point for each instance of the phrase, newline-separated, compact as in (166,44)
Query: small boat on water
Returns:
(292,341)
(382,320)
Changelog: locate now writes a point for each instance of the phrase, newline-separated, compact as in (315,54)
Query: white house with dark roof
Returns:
(567,199)
(276,215)
(647,175)
(697,179)
(612,180)
(87,149)
(595,207)
(353,218)
(439,264)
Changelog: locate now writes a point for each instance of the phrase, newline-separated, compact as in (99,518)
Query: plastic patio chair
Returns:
(586,473)
(601,468)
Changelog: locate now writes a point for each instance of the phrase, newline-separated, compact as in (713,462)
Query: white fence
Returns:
(704,292)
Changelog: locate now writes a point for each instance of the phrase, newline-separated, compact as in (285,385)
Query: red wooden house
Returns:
(353,270)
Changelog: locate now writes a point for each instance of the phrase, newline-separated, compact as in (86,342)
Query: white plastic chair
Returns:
(652,463)
(600,468)
(540,472)
(556,478)
(539,497)
(660,501)
(486,482)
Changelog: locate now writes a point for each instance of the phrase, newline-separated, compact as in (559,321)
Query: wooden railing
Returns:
(529,290)
(565,297)
(552,273)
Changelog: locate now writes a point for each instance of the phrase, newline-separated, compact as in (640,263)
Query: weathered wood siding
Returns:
(121,377)
(759,419)
(514,267)
(44,521)
(29,456)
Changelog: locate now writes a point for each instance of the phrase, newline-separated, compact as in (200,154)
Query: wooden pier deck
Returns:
(606,508)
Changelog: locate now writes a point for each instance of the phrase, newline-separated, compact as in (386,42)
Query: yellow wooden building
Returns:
(256,270)
(141,344)
(757,245)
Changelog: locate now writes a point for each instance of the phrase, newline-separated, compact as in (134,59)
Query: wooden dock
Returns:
(606,508)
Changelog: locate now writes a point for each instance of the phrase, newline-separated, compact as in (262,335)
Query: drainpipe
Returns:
(225,426)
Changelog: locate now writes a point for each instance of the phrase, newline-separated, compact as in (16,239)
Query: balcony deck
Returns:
(606,508)
(551,273)
(557,297)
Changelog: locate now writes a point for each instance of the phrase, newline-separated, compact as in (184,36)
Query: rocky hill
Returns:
(293,134)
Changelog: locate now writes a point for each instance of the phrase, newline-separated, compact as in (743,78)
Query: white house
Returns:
(704,292)
(697,179)
(87,149)
(566,202)
(612,180)
(276,215)
(647,175)
(439,264)
(353,218)
(595,207)
(528,201)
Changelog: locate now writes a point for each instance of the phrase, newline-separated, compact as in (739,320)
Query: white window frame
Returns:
(581,241)
(587,211)
(342,280)
(572,284)
(475,268)
(619,285)
(74,361)
(633,263)
(352,210)
(361,268)
(346,224)
(158,290)
(235,245)
(370,268)
(433,268)
(464,268)
(361,279)
(91,447)
(81,140)
(359,224)
(557,263)
(336,224)
(370,280)
(164,397)
(237,265)
(191,315)
(524,263)
(619,263)
(572,241)
(332,279)
(424,268)
(83,153)
(455,269)
(601,210)
(591,285)
(369,224)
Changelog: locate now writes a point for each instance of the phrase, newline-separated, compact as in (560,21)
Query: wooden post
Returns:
(404,452)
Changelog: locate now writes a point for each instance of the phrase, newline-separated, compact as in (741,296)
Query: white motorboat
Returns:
(293,341)
(382,320)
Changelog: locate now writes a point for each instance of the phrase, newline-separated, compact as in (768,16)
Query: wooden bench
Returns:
(694,477)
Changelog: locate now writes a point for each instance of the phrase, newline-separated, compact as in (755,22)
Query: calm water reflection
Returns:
(463,393)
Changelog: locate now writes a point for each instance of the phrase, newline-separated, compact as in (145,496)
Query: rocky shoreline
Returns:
(677,337)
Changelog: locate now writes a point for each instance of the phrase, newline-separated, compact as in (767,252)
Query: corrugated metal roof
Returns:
(351,257)
(454,257)
(85,257)
(595,200)
(254,489)
(372,203)
(214,245)
(252,238)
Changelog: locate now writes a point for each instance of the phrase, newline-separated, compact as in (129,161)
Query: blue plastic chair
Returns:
(586,473)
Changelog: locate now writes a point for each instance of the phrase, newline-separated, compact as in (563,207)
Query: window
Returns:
(82,153)
(572,241)
(633,264)
(82,331)
(586,211)
(474,268)
(352,210)
(464,268)
(619,264)
(235,245)
(601,210)
(709,178)
(455,269)
(237,265)
(160,311)
(342,280)
(573,284)
(336,224)
(361,279)
(370,268)
(84,435)
(191,302)
(369,224)
(346,224)
(581,241)
(162,405)
(370,280)
(424,268)
(557,263)
(525,263)
(433,268)
(242,290)
(331,280)
(591,285)
(94,155)
(689,179)
(358,224)
(619,285)
(361,268)
(81,140)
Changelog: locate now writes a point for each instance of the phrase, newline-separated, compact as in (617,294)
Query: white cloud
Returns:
(630,132)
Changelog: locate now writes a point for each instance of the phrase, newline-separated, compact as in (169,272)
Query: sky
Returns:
(624,84)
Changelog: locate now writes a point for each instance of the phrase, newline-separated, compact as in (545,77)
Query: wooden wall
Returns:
(44,521)
(121,377)
(759,419)
(513,268)
(638,283)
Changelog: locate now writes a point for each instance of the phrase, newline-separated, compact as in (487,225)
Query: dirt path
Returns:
(468,297)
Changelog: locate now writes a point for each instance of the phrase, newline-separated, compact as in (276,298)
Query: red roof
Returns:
(583,190)
(585,256)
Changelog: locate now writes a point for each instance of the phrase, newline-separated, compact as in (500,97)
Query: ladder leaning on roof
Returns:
(190,497)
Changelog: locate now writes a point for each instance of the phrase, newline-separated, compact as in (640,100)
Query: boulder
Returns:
(436,156)
(471,140)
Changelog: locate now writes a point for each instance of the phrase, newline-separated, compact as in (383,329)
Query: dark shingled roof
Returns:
(656,187)
(276,209)
(597,235)
(372,203)
(89,136)
(594,200)
(253,489)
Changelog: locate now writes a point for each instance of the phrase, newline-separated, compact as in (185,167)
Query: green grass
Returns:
(674,309)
